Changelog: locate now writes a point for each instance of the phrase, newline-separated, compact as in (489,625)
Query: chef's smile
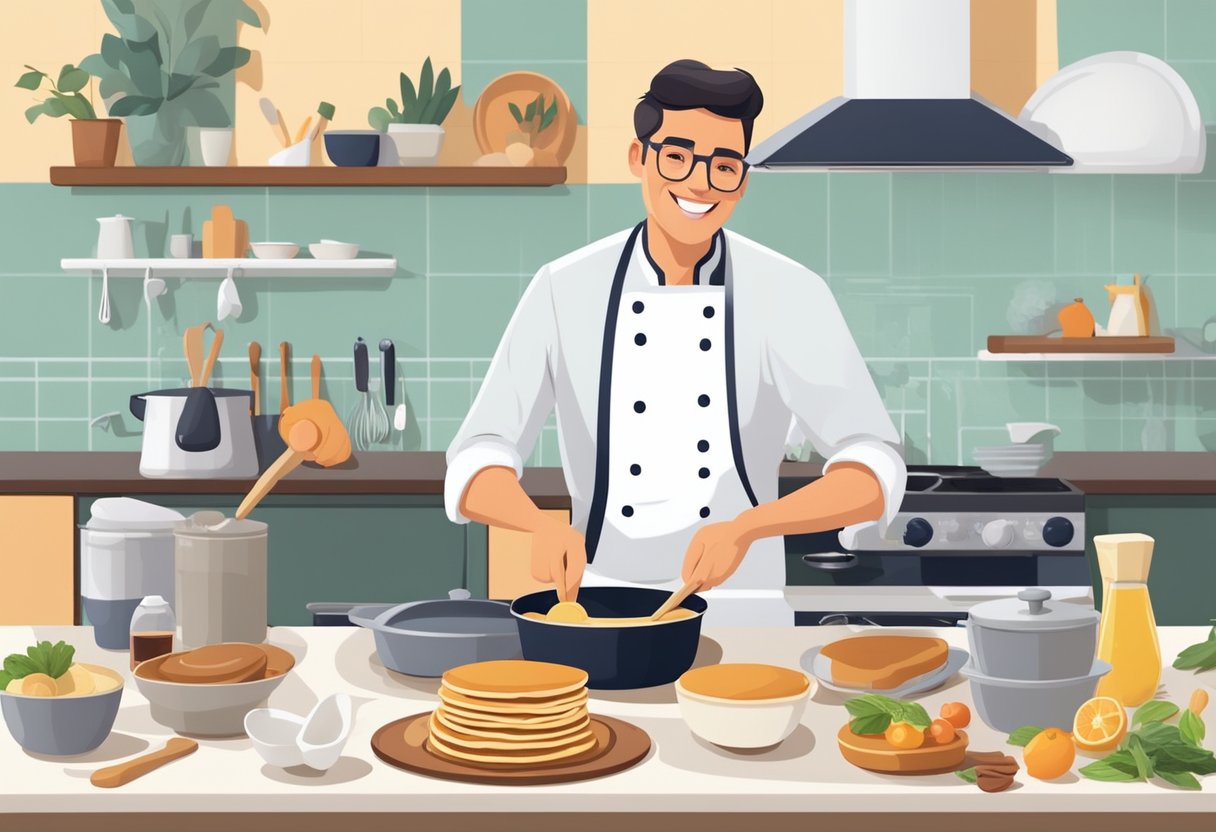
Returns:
(694,209)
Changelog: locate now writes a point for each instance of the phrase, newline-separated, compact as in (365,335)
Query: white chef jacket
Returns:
(790,359)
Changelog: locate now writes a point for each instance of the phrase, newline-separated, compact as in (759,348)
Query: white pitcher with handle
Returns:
(114,238)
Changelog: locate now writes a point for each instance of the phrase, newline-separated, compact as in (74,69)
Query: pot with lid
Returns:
(1028,638)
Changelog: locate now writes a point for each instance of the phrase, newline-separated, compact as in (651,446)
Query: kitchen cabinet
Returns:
(370,548)
(509,561)
(37,559)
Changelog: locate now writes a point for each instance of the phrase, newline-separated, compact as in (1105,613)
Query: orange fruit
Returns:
(903,735)
(1050,754)
(957,714)
(941,731)
(1099,724)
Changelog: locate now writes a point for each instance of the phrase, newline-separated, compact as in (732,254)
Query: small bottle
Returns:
(152,628)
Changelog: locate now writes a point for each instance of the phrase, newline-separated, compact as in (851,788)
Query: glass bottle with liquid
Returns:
(1127,634)
(152,629)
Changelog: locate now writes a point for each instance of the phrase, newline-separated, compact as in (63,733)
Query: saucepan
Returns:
(617,657)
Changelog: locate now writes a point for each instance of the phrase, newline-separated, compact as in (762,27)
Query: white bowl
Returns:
(333,250)
(275,736)
(209,710)
(274,251)
(742,723)
(325,732)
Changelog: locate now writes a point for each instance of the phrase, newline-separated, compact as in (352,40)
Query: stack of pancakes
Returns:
(512,713)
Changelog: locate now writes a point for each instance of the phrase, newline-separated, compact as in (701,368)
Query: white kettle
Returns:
(114,238)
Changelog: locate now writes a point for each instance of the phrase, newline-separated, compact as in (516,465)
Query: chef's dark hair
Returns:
(692,85)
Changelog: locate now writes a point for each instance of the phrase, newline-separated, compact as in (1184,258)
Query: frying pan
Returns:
(615,658)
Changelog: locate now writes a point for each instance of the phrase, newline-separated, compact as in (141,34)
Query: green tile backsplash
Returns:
(924,266)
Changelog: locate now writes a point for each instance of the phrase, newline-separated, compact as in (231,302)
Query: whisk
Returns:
(380,422)
(361,422)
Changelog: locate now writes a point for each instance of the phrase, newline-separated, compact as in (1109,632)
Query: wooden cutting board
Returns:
(402,743)
(1048,344)
(224,236)
(874,753)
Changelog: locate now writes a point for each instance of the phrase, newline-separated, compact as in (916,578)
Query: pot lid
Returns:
(1030,611)
(213,524)
(123,514)
(182,392)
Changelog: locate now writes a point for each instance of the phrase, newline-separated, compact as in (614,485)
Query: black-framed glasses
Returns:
(676,162)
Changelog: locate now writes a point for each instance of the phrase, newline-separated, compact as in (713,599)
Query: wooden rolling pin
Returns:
(123,773)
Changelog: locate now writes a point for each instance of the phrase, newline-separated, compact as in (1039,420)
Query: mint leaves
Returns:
(43,657)
(1156,749)
(873,714)
(1022,736)
(1201,656)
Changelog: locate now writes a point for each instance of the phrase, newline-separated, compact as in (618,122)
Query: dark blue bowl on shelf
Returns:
(615,658)
(353,148)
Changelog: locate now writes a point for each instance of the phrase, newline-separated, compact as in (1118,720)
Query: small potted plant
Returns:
(94,140)
(414,128)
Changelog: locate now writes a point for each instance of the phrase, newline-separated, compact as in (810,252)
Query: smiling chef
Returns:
(677,355)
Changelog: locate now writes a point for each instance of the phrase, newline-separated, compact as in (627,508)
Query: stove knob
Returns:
(918,532)
(997,534)
(1058,531)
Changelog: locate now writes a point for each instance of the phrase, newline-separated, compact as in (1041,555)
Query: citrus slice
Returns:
(1099,724)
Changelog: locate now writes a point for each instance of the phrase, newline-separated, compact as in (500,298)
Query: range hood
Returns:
(907,101)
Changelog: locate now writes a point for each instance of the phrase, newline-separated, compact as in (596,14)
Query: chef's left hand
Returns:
(714,553)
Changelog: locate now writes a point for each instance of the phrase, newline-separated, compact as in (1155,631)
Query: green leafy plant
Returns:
(873,714)
(429,103)
(1201,656)
(536,117)
(65,98)
(155,64)
(43,657)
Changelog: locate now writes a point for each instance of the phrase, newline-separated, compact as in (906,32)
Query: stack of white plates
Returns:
(1013,460)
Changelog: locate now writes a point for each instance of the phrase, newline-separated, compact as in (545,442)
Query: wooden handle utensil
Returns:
(302,439)
(675,600)
(284,381)
(316,376)
(255,380)
(192,345)
(123,773)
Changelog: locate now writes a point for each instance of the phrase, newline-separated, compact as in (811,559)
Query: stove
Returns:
(961,536)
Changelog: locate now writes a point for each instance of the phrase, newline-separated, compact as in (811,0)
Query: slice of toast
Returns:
(883,662)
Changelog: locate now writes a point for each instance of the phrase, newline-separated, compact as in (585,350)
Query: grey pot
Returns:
(1030,639)
(60,725)
(429,638)
(1006,704)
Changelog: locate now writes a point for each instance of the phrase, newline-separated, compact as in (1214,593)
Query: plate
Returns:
(873,753)
(620,745)
(956,657)
(493,122)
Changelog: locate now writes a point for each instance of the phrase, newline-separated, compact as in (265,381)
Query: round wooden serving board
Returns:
(402,743)
(875,754)
(492,120)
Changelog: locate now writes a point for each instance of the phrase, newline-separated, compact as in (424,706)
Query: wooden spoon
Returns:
(675,600)
(255,381)
(284,382)
(123,773)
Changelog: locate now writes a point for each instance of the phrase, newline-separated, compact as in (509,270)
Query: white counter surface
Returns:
(806,774)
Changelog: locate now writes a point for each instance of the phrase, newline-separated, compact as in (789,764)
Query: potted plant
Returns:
(94,140)
(161,70)
(414,126)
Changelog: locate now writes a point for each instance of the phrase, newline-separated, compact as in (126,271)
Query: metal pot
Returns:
(1008,704)
(1028,639)
(196,432)
(615,658)
(429,638)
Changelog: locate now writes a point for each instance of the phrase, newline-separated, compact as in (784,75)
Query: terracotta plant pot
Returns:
(95,141)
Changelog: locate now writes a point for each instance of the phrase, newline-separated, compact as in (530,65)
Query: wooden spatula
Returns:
(123,773)
(675,600)
(255,378)
(192,346)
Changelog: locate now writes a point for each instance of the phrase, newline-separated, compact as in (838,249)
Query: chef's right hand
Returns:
(559,556)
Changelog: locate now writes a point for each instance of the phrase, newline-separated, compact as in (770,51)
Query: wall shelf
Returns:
(246,267)
(267,177)
(1023,357)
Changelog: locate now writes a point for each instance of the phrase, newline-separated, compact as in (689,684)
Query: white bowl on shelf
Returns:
(274,251)
(333,250)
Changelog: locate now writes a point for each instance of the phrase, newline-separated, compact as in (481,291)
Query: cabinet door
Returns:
(509,555)
(37,560)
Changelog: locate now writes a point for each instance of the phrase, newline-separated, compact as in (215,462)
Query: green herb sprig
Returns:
(43,657)
(1201,656)
(873,713)
(1153,748)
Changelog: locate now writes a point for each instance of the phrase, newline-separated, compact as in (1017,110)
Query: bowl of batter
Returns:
(616,643)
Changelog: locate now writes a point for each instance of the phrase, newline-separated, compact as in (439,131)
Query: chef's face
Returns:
(691,210)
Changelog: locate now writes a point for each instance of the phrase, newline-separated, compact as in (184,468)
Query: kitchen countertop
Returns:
(795,785)
(421,472)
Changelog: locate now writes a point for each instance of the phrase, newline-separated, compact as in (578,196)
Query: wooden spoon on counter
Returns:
(123,773)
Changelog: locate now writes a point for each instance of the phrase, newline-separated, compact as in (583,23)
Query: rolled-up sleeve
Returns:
(823,380)
(514,401)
